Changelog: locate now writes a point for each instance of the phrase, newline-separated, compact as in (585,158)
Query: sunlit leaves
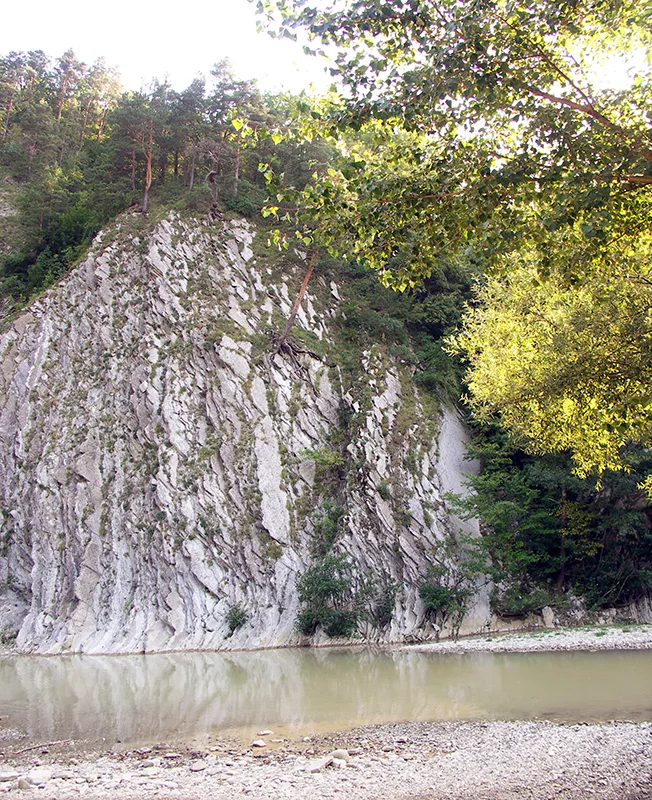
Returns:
(566,366)
(470,133)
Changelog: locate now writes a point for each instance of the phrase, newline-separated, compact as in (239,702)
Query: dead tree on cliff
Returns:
(297,303)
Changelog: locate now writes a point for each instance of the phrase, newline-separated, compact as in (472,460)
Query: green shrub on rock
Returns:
(446,588)
(518,601)
(236,617)
(327,590)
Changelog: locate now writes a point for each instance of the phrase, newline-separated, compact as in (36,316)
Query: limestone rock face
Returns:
(159,467)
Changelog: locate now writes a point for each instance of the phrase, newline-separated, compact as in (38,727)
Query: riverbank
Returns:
(617,637)
(629,636)
(439,761)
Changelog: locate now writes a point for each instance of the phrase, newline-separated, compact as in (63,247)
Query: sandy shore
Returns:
(534,760)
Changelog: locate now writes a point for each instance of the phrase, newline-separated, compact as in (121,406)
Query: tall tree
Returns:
(12,69)
(98,91)
(186,123)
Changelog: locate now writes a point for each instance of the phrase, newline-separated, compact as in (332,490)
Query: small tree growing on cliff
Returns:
(446,587)
(327,589)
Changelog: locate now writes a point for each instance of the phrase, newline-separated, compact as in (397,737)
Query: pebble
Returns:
(39,777)
(197,766)
(319,764)
(258,743)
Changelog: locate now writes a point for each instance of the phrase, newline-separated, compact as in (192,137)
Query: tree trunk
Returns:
(236,174)
(297,303)
(191,182)
(62,97)
(87,111)
(100,127)
(32,153)
(10,106)
(133,170)
(148,172)
(561,577)
(176,163)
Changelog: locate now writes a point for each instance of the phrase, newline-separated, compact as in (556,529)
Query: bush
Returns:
(242,205)
(199,199)
(384,491)
(324,459)
(329,523)
(437,599)
(236,617)
(385,599)
(446,589)
(334,622)
(517,601)
(327,590)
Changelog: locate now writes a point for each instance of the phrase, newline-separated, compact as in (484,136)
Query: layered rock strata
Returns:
(160,467)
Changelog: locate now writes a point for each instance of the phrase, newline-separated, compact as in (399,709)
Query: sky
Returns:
(144,40)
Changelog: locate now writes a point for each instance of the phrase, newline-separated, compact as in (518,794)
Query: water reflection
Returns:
(162,696)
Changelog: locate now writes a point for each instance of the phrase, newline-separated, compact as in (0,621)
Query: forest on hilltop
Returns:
(470,164)
(79,150)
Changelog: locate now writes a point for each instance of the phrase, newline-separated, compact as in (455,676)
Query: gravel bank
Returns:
(449,761)
(626,637)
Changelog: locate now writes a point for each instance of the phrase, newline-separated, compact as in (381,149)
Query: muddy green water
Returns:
(181,695)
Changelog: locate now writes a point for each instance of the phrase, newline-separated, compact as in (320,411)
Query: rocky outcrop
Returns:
(159,467)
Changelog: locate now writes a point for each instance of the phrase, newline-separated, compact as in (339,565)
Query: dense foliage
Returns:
(327,590)
(481,140)
(547,531)
(569,366)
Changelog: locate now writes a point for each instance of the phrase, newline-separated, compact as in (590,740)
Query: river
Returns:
(145,698)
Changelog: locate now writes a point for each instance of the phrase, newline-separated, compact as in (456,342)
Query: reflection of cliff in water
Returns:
(182,694)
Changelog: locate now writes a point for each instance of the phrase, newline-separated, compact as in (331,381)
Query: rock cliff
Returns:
(160,467)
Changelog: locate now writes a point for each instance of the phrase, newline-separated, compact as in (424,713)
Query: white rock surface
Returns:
(152,455)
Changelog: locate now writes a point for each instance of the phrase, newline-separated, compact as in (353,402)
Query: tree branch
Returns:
(590,111)
(639,180)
